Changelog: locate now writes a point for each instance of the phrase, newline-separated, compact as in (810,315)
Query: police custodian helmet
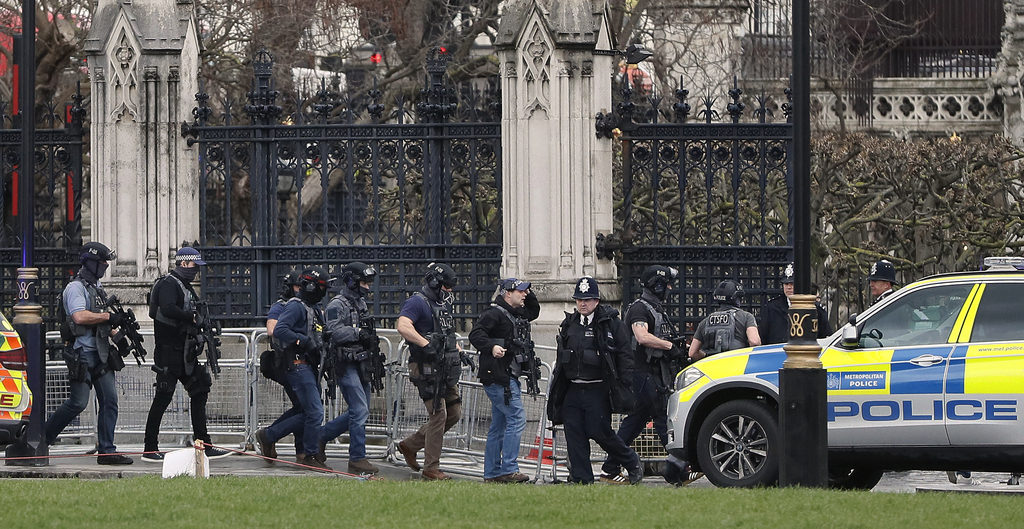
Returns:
(883,271)
(789,274)
(586,288)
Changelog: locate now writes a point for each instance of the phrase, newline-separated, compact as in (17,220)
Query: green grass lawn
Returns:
(150,502)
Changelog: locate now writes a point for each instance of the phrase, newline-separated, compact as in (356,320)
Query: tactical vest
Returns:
(720,332)
(314,331)
(154,306)
(660,330)
(96,301)
(581,355)
(444,323)
(351,352)
(521,334)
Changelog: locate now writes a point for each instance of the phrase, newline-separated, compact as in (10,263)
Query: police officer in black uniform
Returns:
(656,361)
(91,358)
(173,309)
(300,335)
(435,363)
(728,328)
(881,280)
(592,378)
(774,325)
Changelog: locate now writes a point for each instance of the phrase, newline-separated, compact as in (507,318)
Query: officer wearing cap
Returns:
(500,335)
(353,339)
(592,378)
(881,280)
(728,328)
(774,325)
(656,361)
(427,325)
(299,334)
(89,328)
(270,361)
(173,307)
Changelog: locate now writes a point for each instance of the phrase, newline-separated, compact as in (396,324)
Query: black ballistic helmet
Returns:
(438,275)
(728,293)
(313,284)
(96,252)
(358,271)
(586,288)
(657,278)
(290,279)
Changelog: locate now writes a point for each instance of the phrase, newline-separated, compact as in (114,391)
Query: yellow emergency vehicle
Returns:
(930,378)
(15,398)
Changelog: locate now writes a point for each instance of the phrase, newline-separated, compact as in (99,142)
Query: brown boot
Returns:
(435,475)
(363,466)
(266,447)
(321,456)
(311,461)
(410,456)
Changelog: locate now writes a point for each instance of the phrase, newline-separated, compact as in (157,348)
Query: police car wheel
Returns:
(738,445)
(853,478)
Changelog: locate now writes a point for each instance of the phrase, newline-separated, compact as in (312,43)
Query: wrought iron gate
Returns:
(341,180)
(57,185)
(710,198)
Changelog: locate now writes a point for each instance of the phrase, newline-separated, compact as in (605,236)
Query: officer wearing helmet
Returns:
(173,307)
(271,361)
(90,356)
(774,324)
(354,340)
(299,335)
(656,361)
(592,379)
(728,328)
(427,325)
(881,280)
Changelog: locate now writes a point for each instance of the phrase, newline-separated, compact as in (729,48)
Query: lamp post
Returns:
(802,417)
(28,314)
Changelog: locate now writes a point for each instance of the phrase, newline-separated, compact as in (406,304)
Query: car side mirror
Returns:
(851,334)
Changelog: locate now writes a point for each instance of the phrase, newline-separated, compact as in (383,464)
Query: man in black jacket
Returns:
(173,309)
(501,335)
(593,377)
(774,324)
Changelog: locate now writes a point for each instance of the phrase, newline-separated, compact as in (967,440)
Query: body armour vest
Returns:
(720,333)
(521,329)
(314,331)
(660,330)
(580,355)
(97,302)
(189,306)
(444,324)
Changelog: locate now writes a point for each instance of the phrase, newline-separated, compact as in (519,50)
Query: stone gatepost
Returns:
(556,65)
(1008,80)
(144,68)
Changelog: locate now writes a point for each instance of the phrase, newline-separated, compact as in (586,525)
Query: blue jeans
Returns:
(106,414)
(303,380)
(508,421)
(357,396)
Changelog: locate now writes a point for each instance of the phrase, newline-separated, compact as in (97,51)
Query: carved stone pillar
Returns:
(1009,76)
(143,64)
(556,67)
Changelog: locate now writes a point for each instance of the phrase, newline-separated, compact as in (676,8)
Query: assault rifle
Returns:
(331,361)
(374,371)
(531,364)
(204,334)
(130,330)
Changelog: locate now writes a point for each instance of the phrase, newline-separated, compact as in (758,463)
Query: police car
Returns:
(931,378)
(15,398)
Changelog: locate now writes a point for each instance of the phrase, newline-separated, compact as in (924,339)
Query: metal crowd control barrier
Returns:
(242,401)
(226,409)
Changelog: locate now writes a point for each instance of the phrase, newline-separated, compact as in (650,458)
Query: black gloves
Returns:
(116,319)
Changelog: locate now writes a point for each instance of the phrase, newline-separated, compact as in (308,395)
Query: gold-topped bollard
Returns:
(802,411)
(802,350)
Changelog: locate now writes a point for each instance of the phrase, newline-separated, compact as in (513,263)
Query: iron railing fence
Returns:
(58,187)
(341,179)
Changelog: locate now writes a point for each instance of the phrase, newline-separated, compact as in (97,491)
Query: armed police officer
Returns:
(271,362)
(427,325)
(592,378)
(355,361)
(656,360)
(728,328)
(774,325)
(502,336)
(90,356)
(174,309)
(881,280)
(300,335)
